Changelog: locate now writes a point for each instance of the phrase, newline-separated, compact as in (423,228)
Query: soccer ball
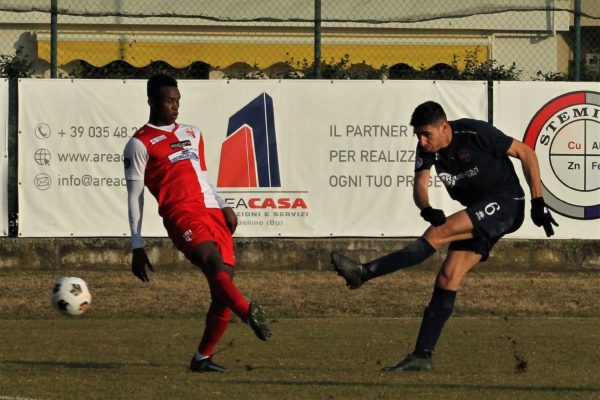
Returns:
(71,296)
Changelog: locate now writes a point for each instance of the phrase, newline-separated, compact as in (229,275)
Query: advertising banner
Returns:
(292,158)
(561,122)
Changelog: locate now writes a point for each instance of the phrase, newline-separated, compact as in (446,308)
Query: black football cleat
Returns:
(206,365)
(411,363)
(258,321)
(352,271)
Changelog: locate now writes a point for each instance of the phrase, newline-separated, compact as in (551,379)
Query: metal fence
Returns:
(395,39)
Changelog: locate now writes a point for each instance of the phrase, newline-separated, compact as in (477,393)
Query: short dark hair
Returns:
(158,81)
(428,113)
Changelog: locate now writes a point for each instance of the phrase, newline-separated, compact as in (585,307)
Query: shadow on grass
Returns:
(426,385)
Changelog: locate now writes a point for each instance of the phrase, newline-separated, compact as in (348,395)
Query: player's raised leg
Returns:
(458,226)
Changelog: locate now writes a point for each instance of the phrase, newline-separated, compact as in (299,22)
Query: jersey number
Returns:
(491,208)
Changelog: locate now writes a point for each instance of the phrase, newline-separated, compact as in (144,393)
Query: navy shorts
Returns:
(492,218)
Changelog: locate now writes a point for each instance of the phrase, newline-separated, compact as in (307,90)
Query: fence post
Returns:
(53,37)
(317,60)
(577,50)
(13,145)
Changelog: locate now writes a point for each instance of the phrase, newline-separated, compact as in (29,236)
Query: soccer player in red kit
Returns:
(168,158)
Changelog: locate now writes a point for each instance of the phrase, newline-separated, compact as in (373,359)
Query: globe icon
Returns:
(42,156)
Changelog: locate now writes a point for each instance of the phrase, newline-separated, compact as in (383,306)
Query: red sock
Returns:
(217,320)
(225,292)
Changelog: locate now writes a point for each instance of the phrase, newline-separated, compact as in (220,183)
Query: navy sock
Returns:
(413,254)
(435,316)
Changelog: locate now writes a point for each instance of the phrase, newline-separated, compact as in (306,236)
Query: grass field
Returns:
(534,336)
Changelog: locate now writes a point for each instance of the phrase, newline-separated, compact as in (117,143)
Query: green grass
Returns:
(340,358)
(512,336)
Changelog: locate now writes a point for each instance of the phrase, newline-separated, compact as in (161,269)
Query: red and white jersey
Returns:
(170,161)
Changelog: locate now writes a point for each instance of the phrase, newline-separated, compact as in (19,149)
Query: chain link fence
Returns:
(396,39)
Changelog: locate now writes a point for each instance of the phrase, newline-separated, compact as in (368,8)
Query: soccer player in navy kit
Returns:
(472,159)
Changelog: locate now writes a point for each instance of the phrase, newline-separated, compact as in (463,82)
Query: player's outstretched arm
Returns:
(540,214)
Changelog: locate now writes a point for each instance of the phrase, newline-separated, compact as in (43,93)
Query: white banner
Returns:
(4,156)
(561,121)
(72,135)
(293,158)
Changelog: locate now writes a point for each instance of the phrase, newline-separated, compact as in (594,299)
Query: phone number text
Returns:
(79,131)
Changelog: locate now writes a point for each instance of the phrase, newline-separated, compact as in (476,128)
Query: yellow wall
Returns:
(222,55)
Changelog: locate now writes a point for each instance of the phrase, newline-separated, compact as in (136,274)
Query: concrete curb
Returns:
(285,254)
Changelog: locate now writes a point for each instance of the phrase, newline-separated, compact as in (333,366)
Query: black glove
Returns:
(540,215)
(434,216)
(139,262)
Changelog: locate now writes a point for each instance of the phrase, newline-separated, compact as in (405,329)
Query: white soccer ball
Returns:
(71,296)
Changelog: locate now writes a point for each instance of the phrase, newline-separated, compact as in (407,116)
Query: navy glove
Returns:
(434,216)
(540,215)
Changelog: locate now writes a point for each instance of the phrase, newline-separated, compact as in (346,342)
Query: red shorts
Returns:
(188,228)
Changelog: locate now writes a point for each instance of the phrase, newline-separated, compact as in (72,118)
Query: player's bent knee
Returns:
(207,257)
(435,236)
(449,280)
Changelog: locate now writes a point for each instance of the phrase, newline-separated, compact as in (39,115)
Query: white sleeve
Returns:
(135,158)
(135,205)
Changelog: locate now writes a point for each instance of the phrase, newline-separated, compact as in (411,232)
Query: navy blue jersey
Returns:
(475,164)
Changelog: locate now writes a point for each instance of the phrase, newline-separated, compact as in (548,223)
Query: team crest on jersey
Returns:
(464,155)
(158,139)
(190,131)
(187,235)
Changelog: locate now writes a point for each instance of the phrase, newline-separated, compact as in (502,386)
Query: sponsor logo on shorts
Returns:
(187,235)
(158,139)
